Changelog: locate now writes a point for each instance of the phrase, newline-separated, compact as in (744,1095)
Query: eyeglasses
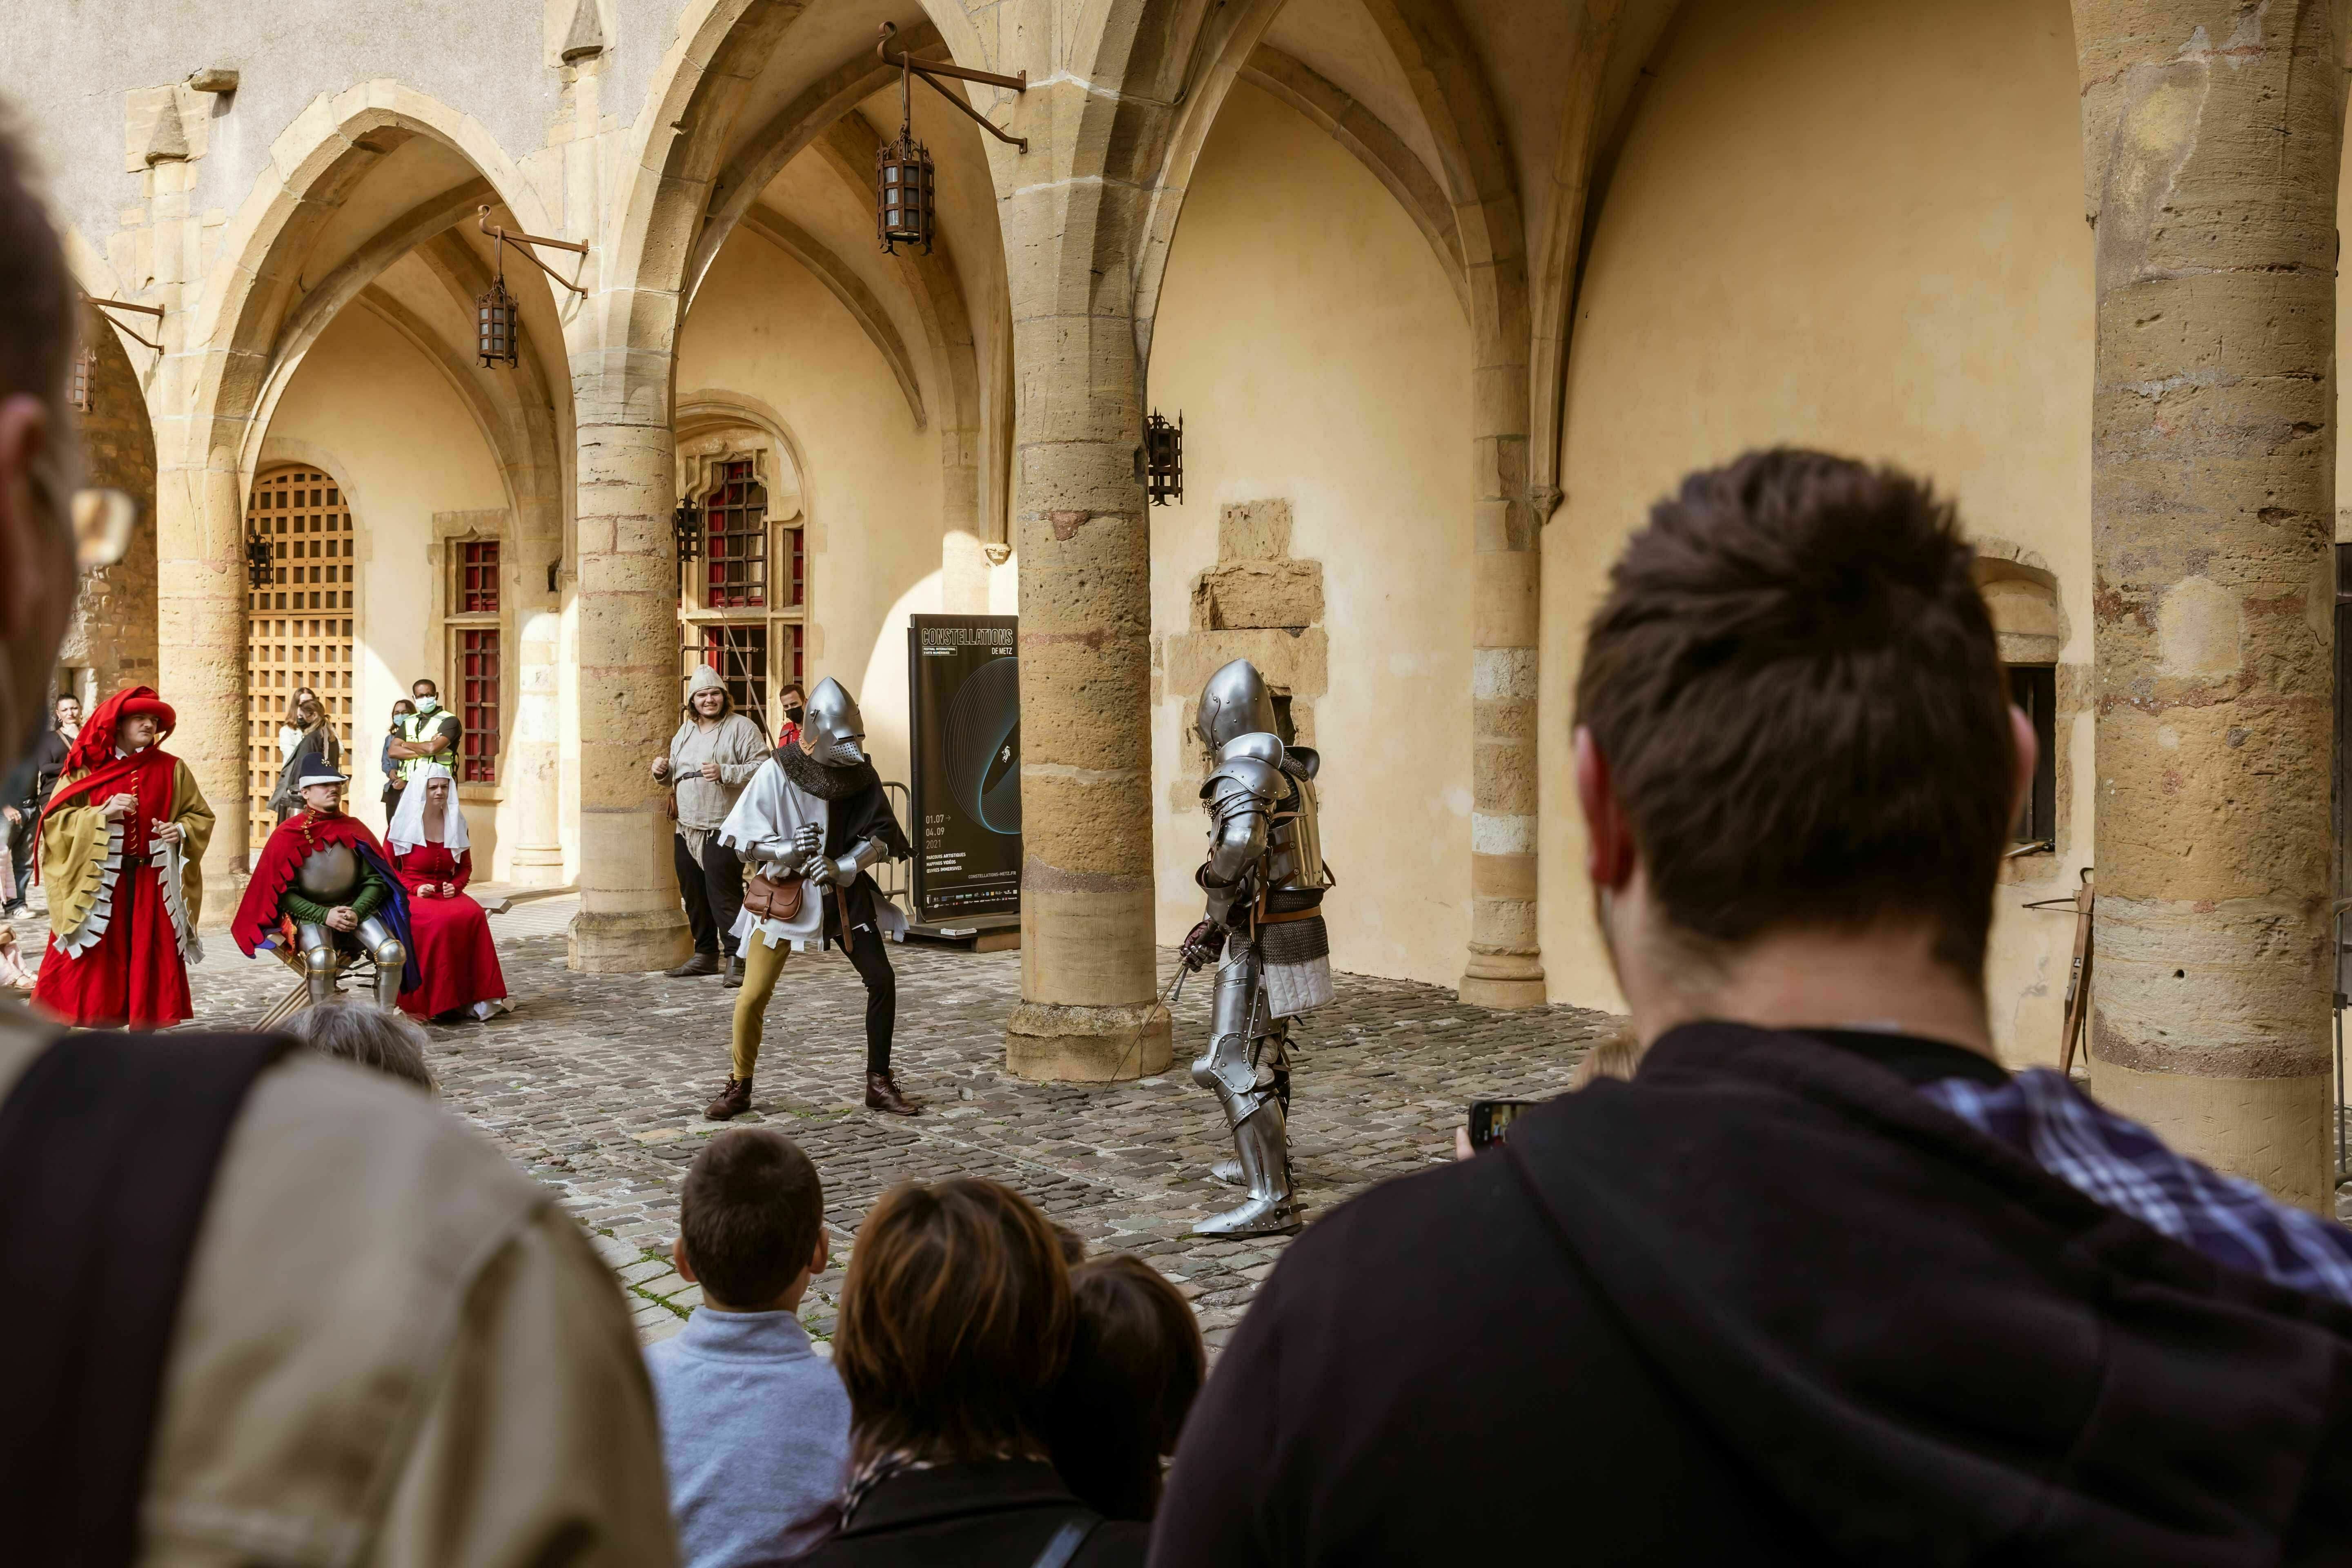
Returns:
(102,522)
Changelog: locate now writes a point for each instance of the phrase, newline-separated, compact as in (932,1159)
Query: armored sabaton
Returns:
(1264,877)
(333,877)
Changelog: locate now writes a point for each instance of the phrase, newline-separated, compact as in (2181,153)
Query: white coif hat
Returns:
(704,678)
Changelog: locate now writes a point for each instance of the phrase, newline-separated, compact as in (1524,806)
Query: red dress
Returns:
(454,950)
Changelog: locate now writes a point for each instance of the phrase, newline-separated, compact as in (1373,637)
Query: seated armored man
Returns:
(324,884)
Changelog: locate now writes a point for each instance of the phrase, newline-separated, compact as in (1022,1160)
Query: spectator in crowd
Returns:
(755,1426)
(293,727)
(23,814)
(394,781)
(710,758)
(1136,1364)
(314,737)
(365,1036)
(1822,1282)
(791,702)
(955,1325)
(261,1308)
(428,734)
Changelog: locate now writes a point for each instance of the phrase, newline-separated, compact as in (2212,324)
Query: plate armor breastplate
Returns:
(330,876)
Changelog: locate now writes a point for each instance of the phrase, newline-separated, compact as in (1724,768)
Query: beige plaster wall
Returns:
(371,409)
(761,328)
(1859,227)
(1320,357)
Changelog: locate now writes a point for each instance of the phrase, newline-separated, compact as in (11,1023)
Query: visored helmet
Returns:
(832,730)
(1234,702)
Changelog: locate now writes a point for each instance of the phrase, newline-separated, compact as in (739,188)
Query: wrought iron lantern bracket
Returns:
(931,71)
(686,532)
(524,242)
(111,305)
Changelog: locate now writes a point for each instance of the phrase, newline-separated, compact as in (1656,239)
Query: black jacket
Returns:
(1765,1304)
(996,1514)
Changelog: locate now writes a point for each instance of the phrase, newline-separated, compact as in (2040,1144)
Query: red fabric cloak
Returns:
(296,841)
(133,975)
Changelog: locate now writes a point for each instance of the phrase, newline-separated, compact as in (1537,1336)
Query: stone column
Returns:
(1088,974)
(1506,965)
(630,918)
(2213,132)
(200,651)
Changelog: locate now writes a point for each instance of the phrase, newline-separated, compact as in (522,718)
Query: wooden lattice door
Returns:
(298,628)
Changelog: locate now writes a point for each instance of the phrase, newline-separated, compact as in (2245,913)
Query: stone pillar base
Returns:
(1047,1043)
(538,865)
(1495,980)
(632,943)
(2273,1130)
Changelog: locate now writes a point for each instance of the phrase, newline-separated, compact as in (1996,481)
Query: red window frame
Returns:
(735,542)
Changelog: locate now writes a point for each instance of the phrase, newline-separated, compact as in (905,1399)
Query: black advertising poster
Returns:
(964,707)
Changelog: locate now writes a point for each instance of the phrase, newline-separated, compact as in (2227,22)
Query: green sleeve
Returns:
(372,894)
(300,909)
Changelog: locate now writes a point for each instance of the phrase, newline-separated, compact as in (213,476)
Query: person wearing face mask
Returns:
(794,705)
(713,756)
(429,735)
(122,842)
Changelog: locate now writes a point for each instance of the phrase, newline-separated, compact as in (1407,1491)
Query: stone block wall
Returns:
(114,632)
(1257,603)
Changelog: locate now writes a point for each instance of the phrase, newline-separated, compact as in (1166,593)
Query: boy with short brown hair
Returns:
(755,1426)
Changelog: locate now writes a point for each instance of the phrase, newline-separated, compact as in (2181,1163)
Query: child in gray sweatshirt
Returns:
(755,1424)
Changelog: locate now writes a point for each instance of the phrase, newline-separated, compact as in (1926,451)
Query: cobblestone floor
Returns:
(596,1083)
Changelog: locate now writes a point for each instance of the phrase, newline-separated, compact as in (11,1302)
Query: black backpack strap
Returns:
(1067,1541)
(108,1147)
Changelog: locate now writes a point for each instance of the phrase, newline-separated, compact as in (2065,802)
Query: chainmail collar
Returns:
(823,782)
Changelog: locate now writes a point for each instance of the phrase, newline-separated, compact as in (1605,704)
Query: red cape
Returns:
(296,839)
(133,975)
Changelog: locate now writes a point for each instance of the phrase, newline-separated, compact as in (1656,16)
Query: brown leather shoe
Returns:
(882,1094)
(733,1102)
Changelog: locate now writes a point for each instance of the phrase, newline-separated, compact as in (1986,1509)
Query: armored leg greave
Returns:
(391,959)
(318,960)
(1239,1070)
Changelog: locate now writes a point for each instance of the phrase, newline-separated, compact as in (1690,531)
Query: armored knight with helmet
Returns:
(1264,877)
(323,883)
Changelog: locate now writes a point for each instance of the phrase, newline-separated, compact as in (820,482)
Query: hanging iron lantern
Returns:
(259,568)
(685,530)
(903,187)
(77,386)
(495,324)
(1162,460)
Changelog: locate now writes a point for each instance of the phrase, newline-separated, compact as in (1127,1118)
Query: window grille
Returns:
(735,551)
(477,703)
(477,577)
(298,627)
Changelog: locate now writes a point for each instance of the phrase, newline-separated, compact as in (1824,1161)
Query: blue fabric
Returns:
(395,915)
(755,1434)
(2122,1164)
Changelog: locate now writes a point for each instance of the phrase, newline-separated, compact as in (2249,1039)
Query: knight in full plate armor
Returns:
(324,880)
(1264,877)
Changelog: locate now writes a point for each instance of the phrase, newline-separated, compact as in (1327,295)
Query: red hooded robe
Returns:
(135,974)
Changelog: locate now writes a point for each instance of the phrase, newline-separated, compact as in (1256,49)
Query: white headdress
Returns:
(408,821)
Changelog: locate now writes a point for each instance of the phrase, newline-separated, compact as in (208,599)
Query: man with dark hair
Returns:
(439,1371)
(1822,1282)
(755,1428)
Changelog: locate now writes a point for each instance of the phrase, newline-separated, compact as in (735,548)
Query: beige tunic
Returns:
(393,1350)
(736,744)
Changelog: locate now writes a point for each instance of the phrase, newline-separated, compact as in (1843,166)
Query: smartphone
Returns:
(1490,1117)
